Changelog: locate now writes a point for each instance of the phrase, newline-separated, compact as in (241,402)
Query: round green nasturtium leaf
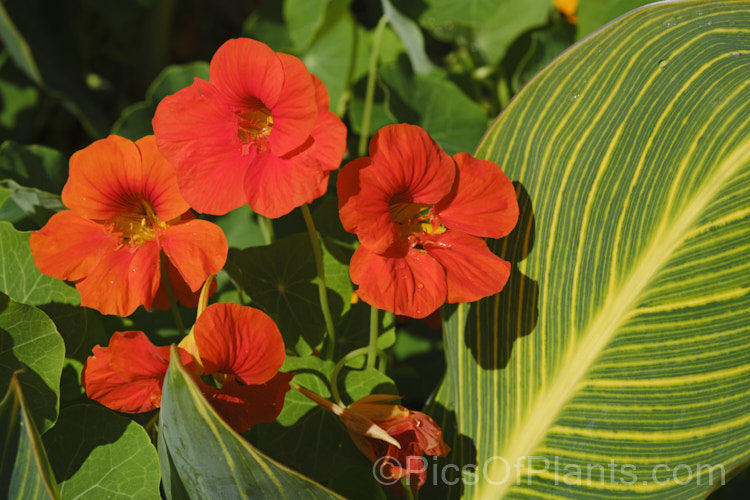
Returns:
(281,278)
(30,342)
(96,453)
(22,281)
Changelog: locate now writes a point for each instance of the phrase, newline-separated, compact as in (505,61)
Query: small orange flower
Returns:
(568,8)
(240,346)
(259,132)
(243,348)
(125,213)
(393,437)
(420,216)
(127,375)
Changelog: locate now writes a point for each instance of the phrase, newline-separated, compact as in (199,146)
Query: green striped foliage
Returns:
(618,355)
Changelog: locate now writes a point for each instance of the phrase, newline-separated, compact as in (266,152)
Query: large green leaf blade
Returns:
(204,458)
(25,471)
(623,334)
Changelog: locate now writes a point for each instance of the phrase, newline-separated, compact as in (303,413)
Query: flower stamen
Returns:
(416,220)
(137,227)
(254,127)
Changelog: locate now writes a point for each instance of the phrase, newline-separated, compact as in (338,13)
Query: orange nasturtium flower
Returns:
(128,374)
(125,212)
(420,216)
(568,8)
(241,346)
(393,437)
(259,132)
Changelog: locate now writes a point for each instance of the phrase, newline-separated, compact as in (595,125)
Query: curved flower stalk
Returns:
(420,216)
(393,437)
(259,132)
(125,212)
(240,346)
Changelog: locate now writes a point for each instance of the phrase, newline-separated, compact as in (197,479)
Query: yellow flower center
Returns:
(255,127)
(139,226)
(428,228)
(415,219)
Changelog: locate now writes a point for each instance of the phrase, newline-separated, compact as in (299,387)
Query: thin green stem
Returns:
(266,227)
(159,35)
(382,361)
(150,426)
(370,92)
(337,369)
(241,296)
(346,95)
(407,489)
(322,291)
(373,345)
(172,301)
(502,90)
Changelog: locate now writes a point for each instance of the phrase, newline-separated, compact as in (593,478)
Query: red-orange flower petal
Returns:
(243,68)
(329,135)
(296,111)
(402,281)
(472,271)
(405,167)
(417,434)
(128,375)
(240,341)
(275,185)
(393,437)
(104,179)
(197,132)
(329,132)
(330,140)
(68,247)
(243,406)
(482,201)
(112,176)
(136,359)
(418,168)
(123,280)
(321,94)
(103,384)
(197,248)
(158,183)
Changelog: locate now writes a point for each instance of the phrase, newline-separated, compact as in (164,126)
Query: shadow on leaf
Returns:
(495,323)
(446,475)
